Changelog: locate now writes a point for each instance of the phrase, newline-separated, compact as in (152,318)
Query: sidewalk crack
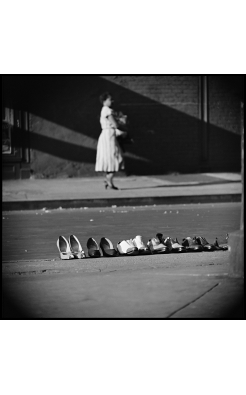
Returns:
(188,304)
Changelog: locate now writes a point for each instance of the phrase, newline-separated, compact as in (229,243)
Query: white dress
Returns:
(109,154)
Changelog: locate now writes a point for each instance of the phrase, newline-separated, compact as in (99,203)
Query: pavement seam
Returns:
(34,272)
(31,260)
(119,201)
(188,304)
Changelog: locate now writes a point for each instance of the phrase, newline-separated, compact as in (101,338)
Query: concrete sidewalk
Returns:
(161,286)
(133,190)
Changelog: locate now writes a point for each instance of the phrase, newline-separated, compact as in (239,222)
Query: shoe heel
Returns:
(132,251)
(79,255)
(103,252)
(65,256)
(94,254)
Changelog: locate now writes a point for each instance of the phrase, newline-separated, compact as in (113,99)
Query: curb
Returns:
(137,201)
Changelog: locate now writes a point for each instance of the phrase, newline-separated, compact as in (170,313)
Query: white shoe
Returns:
(64,248)
(76,247)
(176,247)
(156,247)
(126,247)
(138,242)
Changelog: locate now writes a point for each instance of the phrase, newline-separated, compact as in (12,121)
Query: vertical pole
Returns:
(205,98)
(236,239)
(204,119)
(242,166)
(200,97)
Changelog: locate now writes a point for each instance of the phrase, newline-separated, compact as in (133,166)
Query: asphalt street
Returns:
(33,234)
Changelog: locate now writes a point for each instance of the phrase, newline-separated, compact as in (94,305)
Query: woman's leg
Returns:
(109,178)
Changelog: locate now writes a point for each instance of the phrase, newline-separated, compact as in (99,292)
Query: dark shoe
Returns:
(165,241)
(222,247)
(191,245)
(107,248)
(93,248)
(204,243)
(108,186)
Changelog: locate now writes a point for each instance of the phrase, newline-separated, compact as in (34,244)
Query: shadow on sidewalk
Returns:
(11,309)
(195,184)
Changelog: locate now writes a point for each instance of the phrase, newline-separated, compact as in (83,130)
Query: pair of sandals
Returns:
(134,246)
(71,248)
(199,244)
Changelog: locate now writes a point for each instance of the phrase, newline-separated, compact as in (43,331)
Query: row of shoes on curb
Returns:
(71,248)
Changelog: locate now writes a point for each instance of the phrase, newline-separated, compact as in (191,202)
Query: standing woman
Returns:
(109,157)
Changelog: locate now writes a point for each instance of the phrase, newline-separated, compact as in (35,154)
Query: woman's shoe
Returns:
(64,248)
(126,247)
(156,247)
(176,247)
(222,247)
(204,243)
(108,186)
(191,245)
(107,248)
(76,247)
(93,248)
(167,242)
(142,249)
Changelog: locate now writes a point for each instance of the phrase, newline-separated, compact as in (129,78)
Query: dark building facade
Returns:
(185,124)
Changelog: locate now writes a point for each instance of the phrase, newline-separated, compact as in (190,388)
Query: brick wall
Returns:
(177,92)
(164,114)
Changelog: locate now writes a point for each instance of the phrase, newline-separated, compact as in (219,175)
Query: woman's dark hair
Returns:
(104,96)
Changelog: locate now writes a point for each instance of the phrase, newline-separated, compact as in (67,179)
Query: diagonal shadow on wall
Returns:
(168,139)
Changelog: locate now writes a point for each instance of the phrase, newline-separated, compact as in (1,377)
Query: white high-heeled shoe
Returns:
(126,247)
(138,242)
(64,248)
(76,247)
